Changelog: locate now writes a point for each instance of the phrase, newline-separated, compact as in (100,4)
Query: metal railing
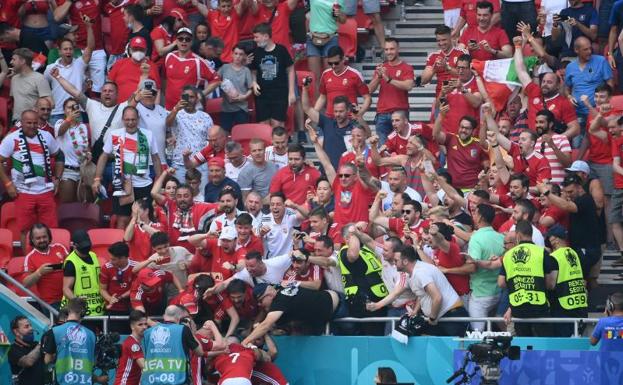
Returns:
(52,312)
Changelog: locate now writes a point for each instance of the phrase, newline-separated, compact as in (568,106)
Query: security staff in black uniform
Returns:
(569,298)
(527,272)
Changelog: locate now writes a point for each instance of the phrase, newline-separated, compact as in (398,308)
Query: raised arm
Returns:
(438,135)
(157,186)
(68,87)
(88,50)
(520,67)
(322,155)
(311,112)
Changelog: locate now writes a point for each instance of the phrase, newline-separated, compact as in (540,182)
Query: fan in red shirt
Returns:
(319,225)
(44,265)
(183,67)
(277,14)
(128,72)
(116,278)
(302,272)
(548,96)
(162,35)
(267,373)
(411,218)
(43,108)
(485,41)
(147,291)
(132,361)
(236,367)
(296,179)
(359,145)
(223,254)
(448,258)
(217,138)
(463,95)
(246,238)
(341,80)
(239,295)
(443,62)
(114,27)
(526,160)
(225,24)
(468,15)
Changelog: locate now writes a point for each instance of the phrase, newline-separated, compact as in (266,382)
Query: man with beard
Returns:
(410,220)
(25,354)
(554,147)
(442,63)
(240,296)
(278,151)
(462,94)
(227,206)
(297,179)
(225,260)
(253,206)
(277,229)
(218,182)
(396,143)
(396,184)
(302,272)
(485,41)
(44,265)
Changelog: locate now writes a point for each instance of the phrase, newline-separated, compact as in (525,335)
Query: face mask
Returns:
(83,250)
(138,55)
(29,338)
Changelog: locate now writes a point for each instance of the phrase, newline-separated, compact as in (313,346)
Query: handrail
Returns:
(53,312)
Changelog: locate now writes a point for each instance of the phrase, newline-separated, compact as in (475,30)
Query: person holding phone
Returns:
(44,265)
(485,41)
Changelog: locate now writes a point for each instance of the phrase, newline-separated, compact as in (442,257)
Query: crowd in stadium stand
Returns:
(187,125)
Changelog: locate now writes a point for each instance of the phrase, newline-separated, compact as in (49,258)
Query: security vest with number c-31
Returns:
(165,358)
(75,354)
(570,289)
(87,284)
(525,277)
(373,273)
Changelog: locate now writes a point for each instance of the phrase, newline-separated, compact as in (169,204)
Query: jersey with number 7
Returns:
(238,363)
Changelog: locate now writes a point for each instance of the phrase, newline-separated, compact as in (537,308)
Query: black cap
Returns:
(556,231)
(81,239)
(259,290)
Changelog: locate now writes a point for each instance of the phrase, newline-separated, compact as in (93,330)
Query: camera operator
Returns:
(71,346)
(25,354)
(132,361)
(609,328)
(166,347)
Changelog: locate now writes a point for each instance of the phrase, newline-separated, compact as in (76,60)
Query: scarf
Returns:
(183,221)
(140,166)
(28,167)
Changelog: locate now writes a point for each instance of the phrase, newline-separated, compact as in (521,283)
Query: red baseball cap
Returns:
(189,301)
(179,13)
(149,277)
(216,161)
(138,42)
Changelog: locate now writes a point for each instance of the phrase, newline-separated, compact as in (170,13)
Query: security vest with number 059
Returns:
(373,274)
(525,276)
(570,289)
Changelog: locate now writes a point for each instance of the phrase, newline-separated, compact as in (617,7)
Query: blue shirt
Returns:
(335,138)
(584,81)
(212,191)
(609,331)
(616,14)
(586,15)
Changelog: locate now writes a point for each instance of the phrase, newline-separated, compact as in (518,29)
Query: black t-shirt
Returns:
(272,74)
(302,304)
(144,33)
(34,375)
(463,218)
(358,272)
(584,225)
(70,269)
(188,340)
(33,42)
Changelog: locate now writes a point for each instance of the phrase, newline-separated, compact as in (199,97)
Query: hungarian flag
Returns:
(500,78)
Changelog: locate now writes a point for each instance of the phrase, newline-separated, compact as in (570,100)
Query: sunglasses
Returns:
(184,39)
(406,211)
(345,175)
(333,63)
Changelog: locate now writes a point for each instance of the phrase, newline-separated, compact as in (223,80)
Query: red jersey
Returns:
(464,160)
(450,4)
(559,215)
(206,154)
(181,72)
(373,169)
(460,107)
(118,282)
(214,264)
(267,373)
(351,203)
(126,73)
(159,33)
(92,9)
(115,28)
(227,28)
(560,106)
(453,258)
(247,310)
(295,185)
(334,232)
(149,300)
(128,372)
(397,144)
(349,83)
(254,243)
(397,225)
(391,98)
(237,364)
(197,362)
(450,57)
(49,286)
(617,151)
(600,150)
(279,20)
(140,245)
(535,166)
(200,213)
(314,273)
(468,11)
(495,36)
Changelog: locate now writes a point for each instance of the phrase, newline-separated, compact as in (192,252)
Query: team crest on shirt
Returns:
(59,255)
(398,73)
(344,82)
(551,107)
(135,348)
(306,177)
(76,336)
(473,152)
(186,69)
(346,197)
(536,101)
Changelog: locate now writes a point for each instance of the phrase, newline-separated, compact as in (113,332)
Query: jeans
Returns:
(481,307)
(383,123)
(230,119)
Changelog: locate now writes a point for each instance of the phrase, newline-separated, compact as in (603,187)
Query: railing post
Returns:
(488,325)
(105,326)
(576,328)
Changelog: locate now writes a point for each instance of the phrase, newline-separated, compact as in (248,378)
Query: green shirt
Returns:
(321,16)
(483,244)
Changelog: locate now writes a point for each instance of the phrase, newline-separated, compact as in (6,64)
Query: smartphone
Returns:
(443,101)
(473,41)
(149,86)
(185,97)
(418,81)
(445,82)
(428,167)
(562,17)
(57,266)
(75,107)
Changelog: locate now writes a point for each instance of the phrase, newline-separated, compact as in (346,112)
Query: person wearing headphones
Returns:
(609,330)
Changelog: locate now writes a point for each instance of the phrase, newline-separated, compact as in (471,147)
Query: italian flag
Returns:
(500,78)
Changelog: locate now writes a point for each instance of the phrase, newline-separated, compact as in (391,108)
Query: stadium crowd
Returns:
(501,204)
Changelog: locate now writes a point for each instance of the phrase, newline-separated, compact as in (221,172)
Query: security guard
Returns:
(166,347)
(361,276)
(81,274)
(71,346)
(569,298)
(527,272)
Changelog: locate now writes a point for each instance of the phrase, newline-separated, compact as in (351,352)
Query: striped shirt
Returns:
(560,141)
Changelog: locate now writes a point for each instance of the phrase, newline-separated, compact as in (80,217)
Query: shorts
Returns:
(236,381)
(267,108)
(322,51)
(72,175)
(35,208)
(369,7)
(604,173)
(451,17)
(126,210)
(616,207)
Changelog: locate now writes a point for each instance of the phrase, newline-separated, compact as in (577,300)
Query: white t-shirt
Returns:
(280,160)
(387,202)
(424,274)
(232,171)
(333,275)
(130,151)
(98,116)
(221,221)
(191,132)
(278,240)
(73,73)
(275,269)
(74,142)
(178,255)
(392,278)
(154,120)
(9,149)
(537,236)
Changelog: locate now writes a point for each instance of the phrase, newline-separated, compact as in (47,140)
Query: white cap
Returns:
(229,233)
(579,166)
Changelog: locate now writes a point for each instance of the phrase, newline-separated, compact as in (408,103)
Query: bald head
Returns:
(582,47)
(172,313)
(217,138)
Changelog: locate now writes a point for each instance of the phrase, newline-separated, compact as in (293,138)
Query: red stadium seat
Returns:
(61,236)
(101,239)
(15,268)
(6,247)
(616,102)
(8,220)
(74,216)
(347,36)
(214,107)
(243,133)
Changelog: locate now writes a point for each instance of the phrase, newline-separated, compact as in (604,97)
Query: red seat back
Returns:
(6,247)
(8,220)
(15,268)
(616,102)
(214,107)
(243,133)
(61,236)
(101,239)
(74,216)
(347,37)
